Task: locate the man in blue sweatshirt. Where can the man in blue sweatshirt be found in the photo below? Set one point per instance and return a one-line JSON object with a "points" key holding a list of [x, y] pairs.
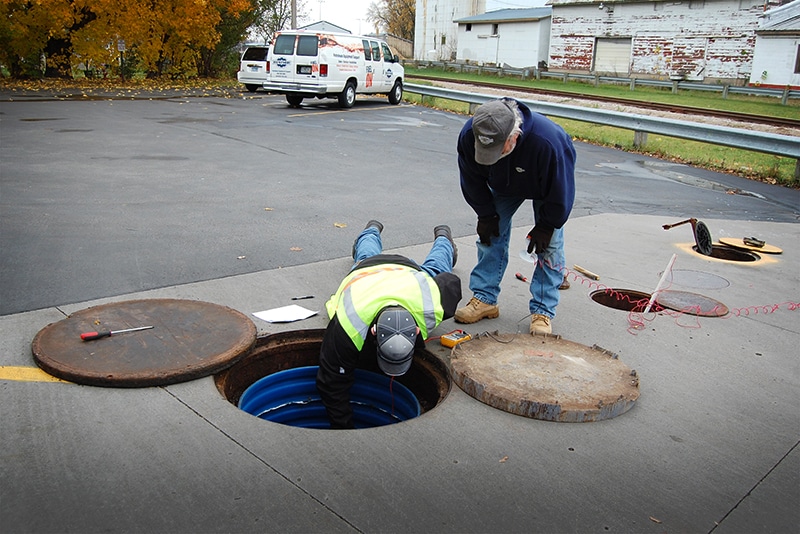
{"points": [[508, 154]]}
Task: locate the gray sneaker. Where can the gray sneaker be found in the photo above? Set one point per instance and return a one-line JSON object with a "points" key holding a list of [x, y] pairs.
{"points": [[373, 222], [444, 230]]}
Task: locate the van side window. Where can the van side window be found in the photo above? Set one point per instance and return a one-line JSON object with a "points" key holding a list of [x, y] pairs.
{"points": [[387, 53], [367, 54], [284, 45], [307, 45], [376, 51]]}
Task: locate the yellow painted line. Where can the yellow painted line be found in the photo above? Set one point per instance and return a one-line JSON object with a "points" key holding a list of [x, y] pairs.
{"points": [[27, 374]]}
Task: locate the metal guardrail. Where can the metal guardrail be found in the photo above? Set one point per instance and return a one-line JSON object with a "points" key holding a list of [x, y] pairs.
{"points": [[674, 85], [767, 143]]}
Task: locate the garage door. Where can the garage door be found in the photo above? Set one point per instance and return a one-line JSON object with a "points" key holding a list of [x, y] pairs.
{"points": [[612, 56]]}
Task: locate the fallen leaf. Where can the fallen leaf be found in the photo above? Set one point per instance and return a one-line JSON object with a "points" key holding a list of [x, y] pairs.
{"points": [[340, 225], [295, 249], [240, 257], [654, 520], [503, 459], [268, 209]]}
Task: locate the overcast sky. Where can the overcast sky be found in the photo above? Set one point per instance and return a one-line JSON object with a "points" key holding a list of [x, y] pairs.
{"points": [[352, 14]]}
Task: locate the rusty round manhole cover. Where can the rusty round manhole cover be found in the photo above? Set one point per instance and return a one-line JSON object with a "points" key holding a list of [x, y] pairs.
{"points": [[189, 339], [691, 303], [544, 377]]}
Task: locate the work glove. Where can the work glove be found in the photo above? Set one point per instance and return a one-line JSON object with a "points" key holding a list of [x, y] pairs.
{"points": [[487, 227], [539, 238]]}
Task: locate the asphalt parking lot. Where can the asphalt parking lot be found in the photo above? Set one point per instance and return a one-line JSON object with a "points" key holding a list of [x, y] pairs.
{"points": [[245, 202], [105, 196]]}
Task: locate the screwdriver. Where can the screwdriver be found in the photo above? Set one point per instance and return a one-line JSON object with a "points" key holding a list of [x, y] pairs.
{"points": [[88, 336]]}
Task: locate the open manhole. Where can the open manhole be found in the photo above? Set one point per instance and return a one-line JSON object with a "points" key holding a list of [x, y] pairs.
{"points": [[283, 364], [623, 299], [722, 252]]}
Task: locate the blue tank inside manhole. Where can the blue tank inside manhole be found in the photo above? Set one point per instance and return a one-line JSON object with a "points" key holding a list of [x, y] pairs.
{"points": [[276, 381], [291, 398]]}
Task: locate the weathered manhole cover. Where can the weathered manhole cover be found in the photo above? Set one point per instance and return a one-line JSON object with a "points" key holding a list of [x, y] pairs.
{"points": [[544, 377], [740, 243], [189, 339], [691, 303]]}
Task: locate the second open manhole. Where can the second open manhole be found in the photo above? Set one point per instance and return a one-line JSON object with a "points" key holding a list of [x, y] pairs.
{"points": [[722, 252], [623, 299], [283, 365]]}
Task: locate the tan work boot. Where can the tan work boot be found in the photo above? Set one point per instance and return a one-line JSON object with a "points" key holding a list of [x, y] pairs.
{"points": [[540, 324], [475, 310]]}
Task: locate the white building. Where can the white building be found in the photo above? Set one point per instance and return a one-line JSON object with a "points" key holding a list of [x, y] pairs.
{"points": [[435, 33], [698, 40], [324, 26], [514, 37], [776, 61]]}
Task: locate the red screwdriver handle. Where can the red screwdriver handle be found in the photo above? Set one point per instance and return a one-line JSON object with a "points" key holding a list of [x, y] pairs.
{"points": [[88, 336]]}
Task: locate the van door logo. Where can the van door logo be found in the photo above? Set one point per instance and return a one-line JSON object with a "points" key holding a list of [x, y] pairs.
{"points": [[281, 62], [388, 73]]}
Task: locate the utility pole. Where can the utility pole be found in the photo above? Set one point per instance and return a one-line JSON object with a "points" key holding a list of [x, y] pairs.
{"points": [[294, 14]]}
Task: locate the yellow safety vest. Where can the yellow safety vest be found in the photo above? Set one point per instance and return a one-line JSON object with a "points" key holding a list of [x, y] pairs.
{"points": [[365, 292]]}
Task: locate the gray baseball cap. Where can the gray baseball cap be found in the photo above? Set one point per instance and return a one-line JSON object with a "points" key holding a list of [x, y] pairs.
{"points": [[396, 333], [492, 123]]}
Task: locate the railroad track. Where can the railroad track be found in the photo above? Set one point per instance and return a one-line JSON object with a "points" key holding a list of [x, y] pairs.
{"points": [[685, 110]]}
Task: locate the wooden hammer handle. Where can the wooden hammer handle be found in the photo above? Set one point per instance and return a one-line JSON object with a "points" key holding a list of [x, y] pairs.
{"points": [[586, 272]]}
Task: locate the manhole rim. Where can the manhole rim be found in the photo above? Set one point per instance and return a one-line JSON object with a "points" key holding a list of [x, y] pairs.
{"points": [[718, 247], [425, 362], [609, 291]]}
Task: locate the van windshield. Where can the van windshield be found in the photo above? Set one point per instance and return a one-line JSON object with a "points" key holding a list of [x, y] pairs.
{"points": [[284, 45]]}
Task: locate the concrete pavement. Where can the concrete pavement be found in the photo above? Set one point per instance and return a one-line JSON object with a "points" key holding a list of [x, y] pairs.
{"points": [[711, 445]]}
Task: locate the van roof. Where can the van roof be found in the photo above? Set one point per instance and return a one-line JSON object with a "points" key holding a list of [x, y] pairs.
{"points": [[323, 32]]}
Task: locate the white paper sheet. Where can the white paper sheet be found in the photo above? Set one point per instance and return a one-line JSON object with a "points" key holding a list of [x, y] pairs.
{"points": [[286, 314]]}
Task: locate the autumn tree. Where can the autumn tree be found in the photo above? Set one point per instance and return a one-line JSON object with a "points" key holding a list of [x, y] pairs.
{"points": [[275, 15], [394, 16], [166, 36], [29, 30], [224, 55]]}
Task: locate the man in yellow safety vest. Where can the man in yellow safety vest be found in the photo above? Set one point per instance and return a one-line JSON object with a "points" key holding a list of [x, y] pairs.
{"points": [[386, 307]]}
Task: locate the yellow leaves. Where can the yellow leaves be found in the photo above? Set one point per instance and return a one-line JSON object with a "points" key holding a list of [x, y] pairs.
{"points": [[158, 31]]}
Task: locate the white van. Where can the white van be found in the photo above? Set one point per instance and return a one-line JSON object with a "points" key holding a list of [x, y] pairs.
{"points": [[306, 64], [253, 67]]}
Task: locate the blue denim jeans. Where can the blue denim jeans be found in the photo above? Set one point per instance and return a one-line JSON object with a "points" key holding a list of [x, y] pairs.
{"points": [[493, 260], [439, 259]]}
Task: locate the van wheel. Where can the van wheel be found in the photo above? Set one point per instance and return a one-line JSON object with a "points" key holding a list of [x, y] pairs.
{"points": [[348, 97], [252, 87], [294, 100], [396, 94]]}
